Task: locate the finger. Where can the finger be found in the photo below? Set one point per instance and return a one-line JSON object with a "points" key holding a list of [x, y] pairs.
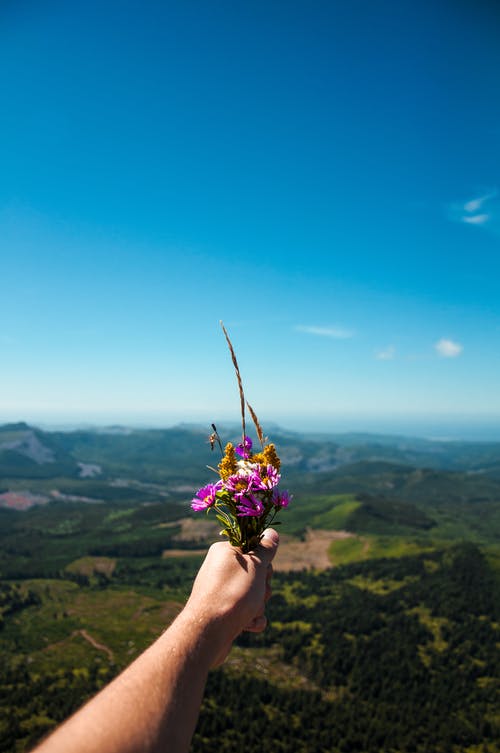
{"points": [[268, 545]]}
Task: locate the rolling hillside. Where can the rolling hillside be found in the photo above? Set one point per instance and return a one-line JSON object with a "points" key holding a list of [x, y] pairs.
{"points": [[384, 618]]}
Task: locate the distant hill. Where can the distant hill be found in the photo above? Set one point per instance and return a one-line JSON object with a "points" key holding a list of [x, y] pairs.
{"points": [[27, 452], [335, 450], [403, 483], [427, 486], [183, 449]]}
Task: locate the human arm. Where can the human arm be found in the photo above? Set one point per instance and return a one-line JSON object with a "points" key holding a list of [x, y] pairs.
{"points": [[153, 706]]}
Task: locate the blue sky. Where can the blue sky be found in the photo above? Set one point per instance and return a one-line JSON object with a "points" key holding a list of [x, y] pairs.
{"points": [[323, 176]]}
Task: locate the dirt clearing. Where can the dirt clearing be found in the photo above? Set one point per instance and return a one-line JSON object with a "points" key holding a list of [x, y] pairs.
{"points": [[310, 553]]}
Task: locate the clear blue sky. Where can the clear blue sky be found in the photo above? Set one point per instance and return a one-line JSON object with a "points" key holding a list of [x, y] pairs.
{"points": [[323, 176]]}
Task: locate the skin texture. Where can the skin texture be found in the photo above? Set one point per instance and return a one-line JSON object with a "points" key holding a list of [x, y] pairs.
{"points": [[153, 706]]}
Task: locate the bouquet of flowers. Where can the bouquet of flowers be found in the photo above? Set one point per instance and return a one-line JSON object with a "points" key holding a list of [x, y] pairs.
{"points": [[246, 497]]}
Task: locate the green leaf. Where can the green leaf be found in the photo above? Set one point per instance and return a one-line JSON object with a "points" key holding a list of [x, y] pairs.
{"points": [[222, 520]]}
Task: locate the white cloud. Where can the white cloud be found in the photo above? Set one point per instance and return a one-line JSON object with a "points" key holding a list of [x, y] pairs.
{"points": [[338, 333], [476, 219], [473, 211], [448, 348], [387, 354], [474, 205]]}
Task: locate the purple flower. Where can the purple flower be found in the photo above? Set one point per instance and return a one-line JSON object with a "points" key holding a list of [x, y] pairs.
{"points": [[244, 448], [270, 479], [205, 498], [249, 506], [281, 499], [238, 483]]}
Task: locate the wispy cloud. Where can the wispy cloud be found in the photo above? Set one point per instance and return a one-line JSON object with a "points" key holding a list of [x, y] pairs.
{"points": [[387, 354], [474, 205], [338, 333], [448, 348], [478, 210], [476, 219]]}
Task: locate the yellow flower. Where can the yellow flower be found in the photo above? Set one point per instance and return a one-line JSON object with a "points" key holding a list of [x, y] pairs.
{"points": [[271, 457], [258, 457], [227, 465]]}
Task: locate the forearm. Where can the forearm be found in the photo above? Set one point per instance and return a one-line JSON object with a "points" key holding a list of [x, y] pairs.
{"points": [[153, 705]]}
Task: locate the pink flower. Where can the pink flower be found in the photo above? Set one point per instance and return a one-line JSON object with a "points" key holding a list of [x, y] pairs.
{"points": [[205, 498], [239, 483], [249, 506], [270, 479]]}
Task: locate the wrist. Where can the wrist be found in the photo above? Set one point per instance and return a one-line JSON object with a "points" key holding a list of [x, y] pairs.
{"points": [[202, 634]]}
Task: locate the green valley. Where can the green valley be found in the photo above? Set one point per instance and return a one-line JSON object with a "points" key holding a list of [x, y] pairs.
{"points": [[384, 627]]}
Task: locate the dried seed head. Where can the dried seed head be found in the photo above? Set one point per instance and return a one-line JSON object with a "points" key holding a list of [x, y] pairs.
{"points": [[258, 427], [238, 377]]}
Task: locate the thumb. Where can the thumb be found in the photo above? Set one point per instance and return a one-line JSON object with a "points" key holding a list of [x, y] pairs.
{"points": [[268, 545]]}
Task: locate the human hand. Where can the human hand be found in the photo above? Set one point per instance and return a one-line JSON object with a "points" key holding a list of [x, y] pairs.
{"points": [[154, 704], [231, 591]]}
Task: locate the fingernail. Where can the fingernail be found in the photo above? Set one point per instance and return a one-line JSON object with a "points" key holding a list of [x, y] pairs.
{"points": [[271, 534]]}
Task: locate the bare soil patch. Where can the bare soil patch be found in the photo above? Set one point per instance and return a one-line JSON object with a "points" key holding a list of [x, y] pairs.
{"points": [[91, 565], [172, 553], [312, 553], [22, 500], [200, 530]]}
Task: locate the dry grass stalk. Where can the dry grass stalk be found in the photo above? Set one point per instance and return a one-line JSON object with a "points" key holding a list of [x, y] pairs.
{"points": [[258, 427], [238, 376]]}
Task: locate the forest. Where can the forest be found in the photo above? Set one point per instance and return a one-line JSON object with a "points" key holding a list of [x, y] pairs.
{"points": [[414, 666], [394, 655]]}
